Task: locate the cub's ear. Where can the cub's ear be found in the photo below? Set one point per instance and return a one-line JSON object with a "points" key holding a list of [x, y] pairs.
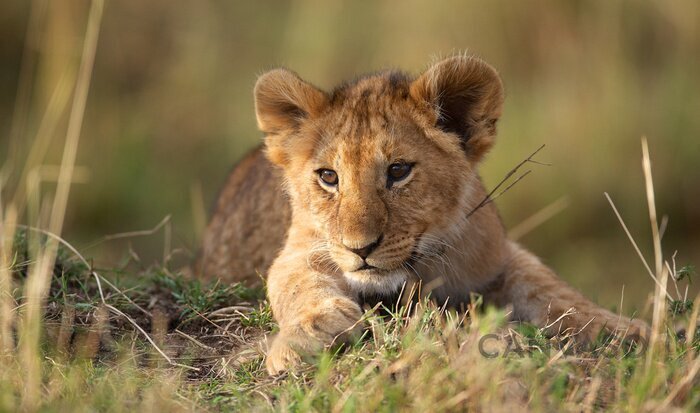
{"points": [[464, 94], [283, 100]]}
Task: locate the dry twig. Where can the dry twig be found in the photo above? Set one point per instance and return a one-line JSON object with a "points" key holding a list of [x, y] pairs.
{"points": [[490, 197]]}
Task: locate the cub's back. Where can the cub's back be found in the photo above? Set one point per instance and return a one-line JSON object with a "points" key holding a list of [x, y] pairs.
{"points": [[249, 223]]}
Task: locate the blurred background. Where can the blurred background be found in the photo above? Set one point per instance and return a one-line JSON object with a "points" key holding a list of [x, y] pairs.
{"points": [[170, 111]]}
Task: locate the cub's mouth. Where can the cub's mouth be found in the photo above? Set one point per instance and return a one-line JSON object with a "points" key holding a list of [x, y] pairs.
{"points": [[373, 280], [368, 268], [370, 279]]}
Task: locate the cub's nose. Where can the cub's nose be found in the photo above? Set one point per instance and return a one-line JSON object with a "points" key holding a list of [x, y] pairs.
{"points": [[366, 250]]}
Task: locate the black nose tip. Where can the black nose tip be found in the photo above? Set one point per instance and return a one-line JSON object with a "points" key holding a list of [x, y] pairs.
{"points": [[366, 250]]}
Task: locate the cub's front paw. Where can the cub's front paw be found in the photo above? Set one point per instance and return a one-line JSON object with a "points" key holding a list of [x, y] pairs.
{"points": [[591, 327], [284, 353], [334, 321]]}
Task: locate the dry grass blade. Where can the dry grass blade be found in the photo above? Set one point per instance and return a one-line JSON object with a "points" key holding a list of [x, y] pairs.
{"points": [[37, 14], [651, 203], [131, 234], [659, 300], [634, 243], [7, 228], [75, 120], [490, 196], [117, 311], [693, 322], [538, 218], [42, 141], [194, 340]]}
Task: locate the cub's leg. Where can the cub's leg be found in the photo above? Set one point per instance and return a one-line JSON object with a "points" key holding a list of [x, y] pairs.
{"points": [[540, 297], [313, 309]]}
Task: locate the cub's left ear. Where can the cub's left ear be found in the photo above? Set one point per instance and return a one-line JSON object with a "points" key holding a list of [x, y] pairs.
{"points": [[464, 94]]}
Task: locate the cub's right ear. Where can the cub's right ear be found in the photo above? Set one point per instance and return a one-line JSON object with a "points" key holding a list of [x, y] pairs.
{"points": [[283, 101]]}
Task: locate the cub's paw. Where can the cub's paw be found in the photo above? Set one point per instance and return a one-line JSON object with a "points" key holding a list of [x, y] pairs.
{"points": [[592, 328], [284, 353], [334, 321]]}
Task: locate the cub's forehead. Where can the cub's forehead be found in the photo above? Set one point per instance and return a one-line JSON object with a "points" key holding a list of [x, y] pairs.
{"points": [[369, 106], [372, 142], [368, 118]]}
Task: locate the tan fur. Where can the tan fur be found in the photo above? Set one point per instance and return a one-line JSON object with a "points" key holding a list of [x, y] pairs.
{"points": [[442, 122]]}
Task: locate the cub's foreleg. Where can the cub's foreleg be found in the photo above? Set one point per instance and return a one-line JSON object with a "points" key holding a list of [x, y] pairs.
{"points": [[313, 309], [540, 297]]}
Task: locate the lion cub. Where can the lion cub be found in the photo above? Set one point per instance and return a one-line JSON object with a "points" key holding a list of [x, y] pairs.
{"points": [[368, 187]]}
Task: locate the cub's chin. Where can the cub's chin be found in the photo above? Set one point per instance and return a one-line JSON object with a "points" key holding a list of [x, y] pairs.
{"points": [[376, 281]]}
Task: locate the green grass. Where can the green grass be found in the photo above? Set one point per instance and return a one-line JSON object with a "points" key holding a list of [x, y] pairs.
{"points": [[429, 360]]}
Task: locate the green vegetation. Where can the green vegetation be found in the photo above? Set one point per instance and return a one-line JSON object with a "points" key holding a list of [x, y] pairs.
{"points": [[428, 359], [170, 110]]}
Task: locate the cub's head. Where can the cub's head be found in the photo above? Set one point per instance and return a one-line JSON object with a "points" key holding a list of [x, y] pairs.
{"points": [[381, 169]]}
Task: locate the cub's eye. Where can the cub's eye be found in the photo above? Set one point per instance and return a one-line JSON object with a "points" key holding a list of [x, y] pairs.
{"points": [[398, 171], [328, 177]]}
